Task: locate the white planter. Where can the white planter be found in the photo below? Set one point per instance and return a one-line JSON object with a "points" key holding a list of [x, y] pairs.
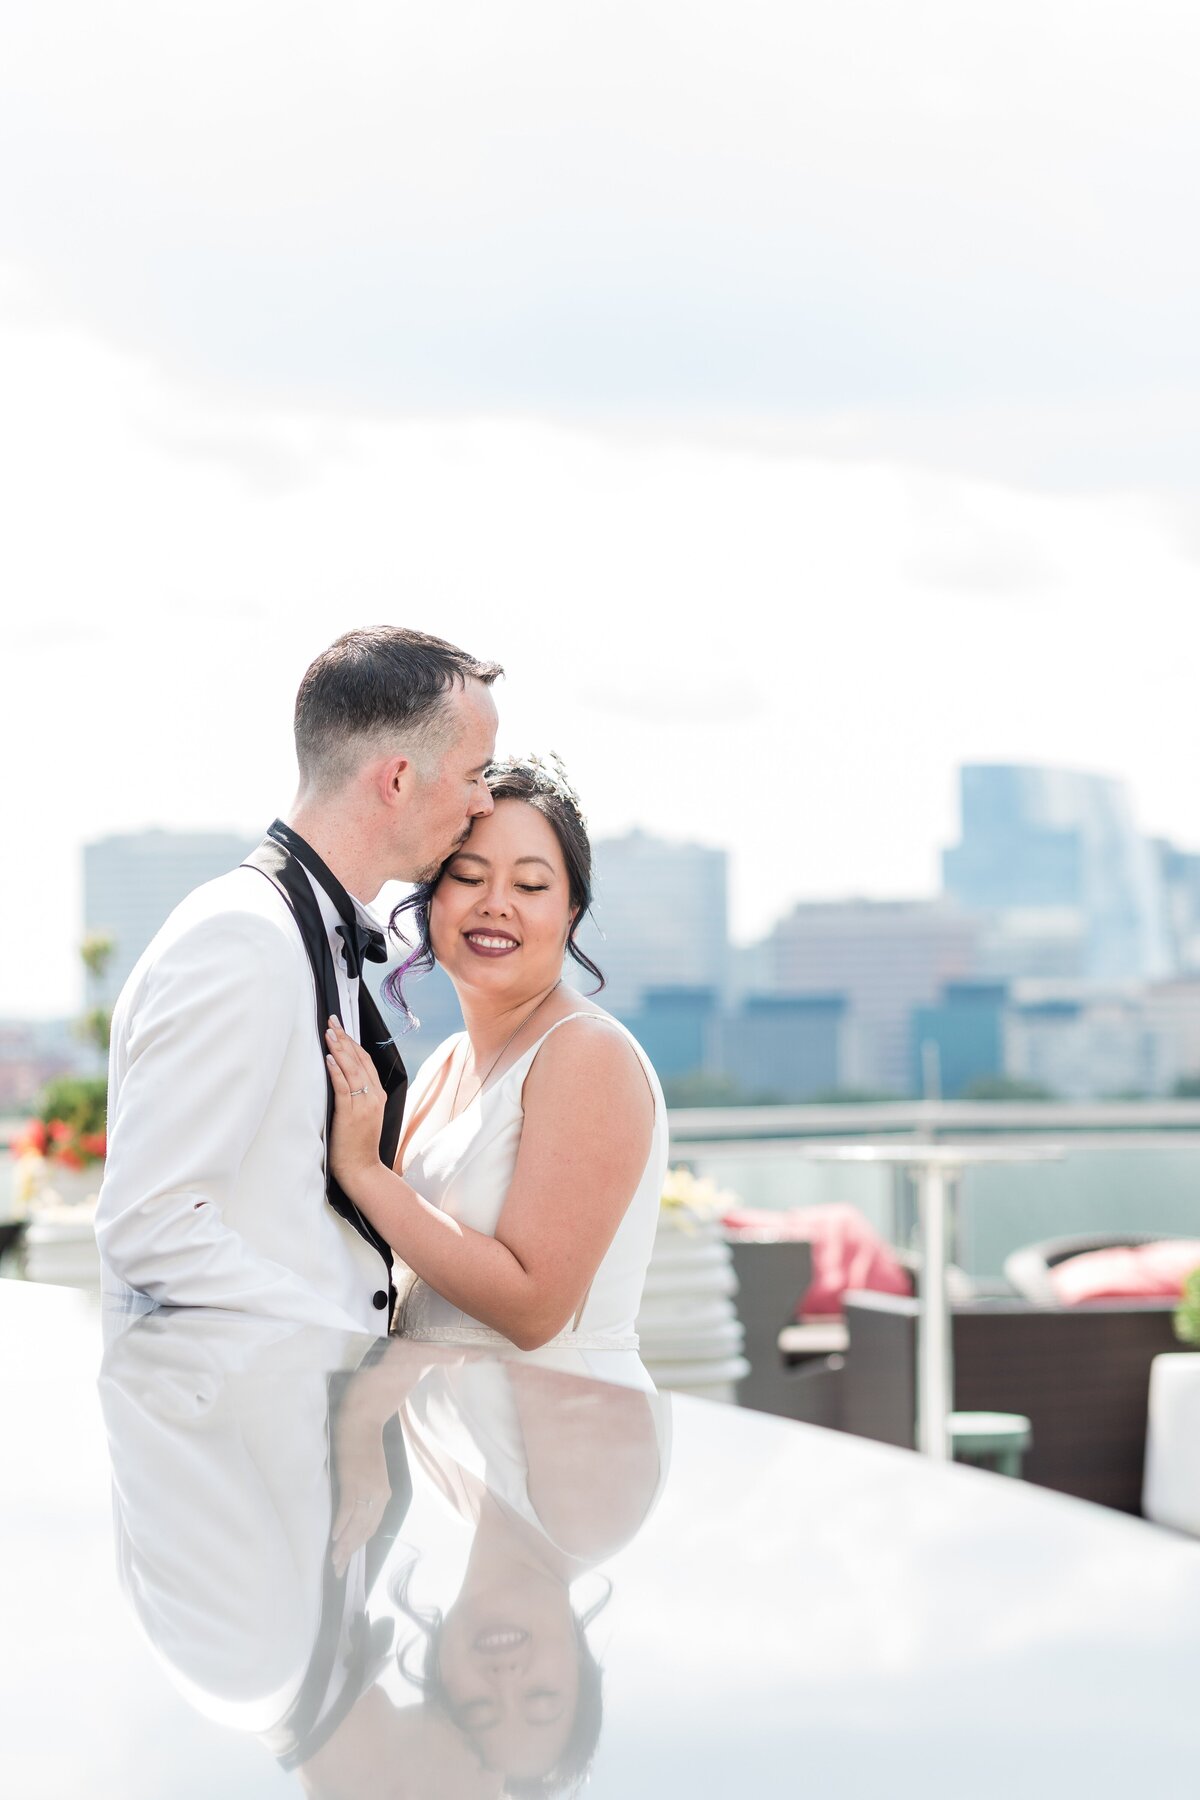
{"points": [[60, 1246], [70, 1187], [691, 1336], [60, 1238], [1171, 1489]]}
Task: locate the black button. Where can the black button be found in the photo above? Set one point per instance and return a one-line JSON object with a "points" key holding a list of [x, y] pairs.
{"points": [[380, 1301]]}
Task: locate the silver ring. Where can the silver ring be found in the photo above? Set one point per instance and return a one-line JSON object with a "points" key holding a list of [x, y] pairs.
{"points": [[355, 1092], [364, 1503]]}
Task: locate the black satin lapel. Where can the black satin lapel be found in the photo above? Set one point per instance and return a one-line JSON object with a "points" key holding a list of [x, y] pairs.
{"points": [[273, 860], [377, 1040], [277, 863], [396, 1509], [305, 1722]]}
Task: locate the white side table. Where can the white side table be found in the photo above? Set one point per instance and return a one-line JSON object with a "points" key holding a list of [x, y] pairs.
{"points": [[934, 1167]]}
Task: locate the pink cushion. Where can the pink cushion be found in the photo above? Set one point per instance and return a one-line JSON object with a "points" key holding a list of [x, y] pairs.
{"points": [[847, 1253], [1135, 1271]]}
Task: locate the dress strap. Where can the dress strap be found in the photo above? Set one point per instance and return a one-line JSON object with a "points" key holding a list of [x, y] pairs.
{"points": [[599, 1019]]}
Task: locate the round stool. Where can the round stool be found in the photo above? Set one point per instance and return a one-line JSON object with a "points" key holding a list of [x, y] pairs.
{"points": [[991, 1440]]}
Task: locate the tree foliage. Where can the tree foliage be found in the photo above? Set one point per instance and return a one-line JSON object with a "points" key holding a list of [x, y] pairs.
{"points": [[1006, 1087]]}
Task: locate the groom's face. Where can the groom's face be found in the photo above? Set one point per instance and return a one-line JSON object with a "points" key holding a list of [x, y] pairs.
{"points": [[447, 802]]}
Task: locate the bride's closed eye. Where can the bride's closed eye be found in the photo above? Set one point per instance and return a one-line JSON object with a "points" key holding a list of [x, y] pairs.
{"points": [[524, 887]]}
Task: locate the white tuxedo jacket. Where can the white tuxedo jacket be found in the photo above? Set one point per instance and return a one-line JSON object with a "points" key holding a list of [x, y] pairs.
{"points": [[214, 1186]]}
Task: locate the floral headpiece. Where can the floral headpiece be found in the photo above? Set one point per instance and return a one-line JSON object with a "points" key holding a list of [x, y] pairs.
{"points": [[548, 773]]}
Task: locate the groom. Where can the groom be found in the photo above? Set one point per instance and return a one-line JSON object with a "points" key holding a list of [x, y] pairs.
{"points": [[217, 1189]]}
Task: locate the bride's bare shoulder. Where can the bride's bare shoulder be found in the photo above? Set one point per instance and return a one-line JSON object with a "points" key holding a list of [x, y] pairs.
{"points": [[589, 1046]]}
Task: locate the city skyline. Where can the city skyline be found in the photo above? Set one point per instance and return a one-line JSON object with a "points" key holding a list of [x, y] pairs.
{"points": [[1061, 957], [108, 855]]}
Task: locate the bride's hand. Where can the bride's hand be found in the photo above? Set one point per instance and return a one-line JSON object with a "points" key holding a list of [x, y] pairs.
{"points": [[363, 1481], [358, 1102]]}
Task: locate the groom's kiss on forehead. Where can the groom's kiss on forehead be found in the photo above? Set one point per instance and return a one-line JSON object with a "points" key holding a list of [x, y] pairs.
{"points": [[392, 760]]}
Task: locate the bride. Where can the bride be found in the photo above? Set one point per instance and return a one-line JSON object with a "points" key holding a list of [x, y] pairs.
{"points": [[524, 1196]]}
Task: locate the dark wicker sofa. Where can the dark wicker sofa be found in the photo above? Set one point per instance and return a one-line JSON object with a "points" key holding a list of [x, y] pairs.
{"points": [[1080, 1374]]}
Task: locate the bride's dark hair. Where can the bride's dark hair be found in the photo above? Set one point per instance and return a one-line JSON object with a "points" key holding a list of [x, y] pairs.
{"points": [[570, 1773], [544, 786]]}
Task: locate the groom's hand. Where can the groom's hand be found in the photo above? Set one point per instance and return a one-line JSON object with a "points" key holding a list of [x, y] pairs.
{"points": [[358, 1102]]}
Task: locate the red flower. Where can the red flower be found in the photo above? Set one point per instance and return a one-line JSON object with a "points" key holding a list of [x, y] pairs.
{"points": [[60, 1132], [95, 1143], [31, 1140], [70, 1159]]}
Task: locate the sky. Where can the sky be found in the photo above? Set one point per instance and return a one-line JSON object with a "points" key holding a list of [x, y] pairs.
{"points": [[799, 402]]}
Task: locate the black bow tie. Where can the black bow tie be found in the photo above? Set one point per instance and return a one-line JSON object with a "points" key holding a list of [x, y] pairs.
{"points": [[363, 944]]}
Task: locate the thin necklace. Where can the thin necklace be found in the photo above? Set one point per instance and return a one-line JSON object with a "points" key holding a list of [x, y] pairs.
{"points": [[500, 1052]]}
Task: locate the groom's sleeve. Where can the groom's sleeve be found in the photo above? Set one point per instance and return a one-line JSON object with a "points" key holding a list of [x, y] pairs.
{"points": [[193, 1074]]}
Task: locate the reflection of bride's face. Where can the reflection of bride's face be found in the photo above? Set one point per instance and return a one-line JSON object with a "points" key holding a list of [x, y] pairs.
{"points": [[509, 1663], [499, 916]]}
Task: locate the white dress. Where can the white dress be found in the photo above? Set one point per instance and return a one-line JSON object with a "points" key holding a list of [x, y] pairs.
{"points": [[465, 1167]]}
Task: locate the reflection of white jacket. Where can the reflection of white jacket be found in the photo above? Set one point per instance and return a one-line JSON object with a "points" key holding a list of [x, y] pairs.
{"points": [[218, 1429], [221, 1503], [214, 1187]]}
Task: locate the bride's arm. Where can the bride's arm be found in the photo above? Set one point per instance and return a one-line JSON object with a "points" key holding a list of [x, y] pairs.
{"points": [[589, 1117]]}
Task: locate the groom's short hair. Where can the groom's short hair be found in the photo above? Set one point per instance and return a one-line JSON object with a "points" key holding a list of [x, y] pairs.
{"points": [[378, 685]]}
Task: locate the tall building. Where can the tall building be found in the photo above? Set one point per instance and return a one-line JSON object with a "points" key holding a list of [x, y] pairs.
{"points": [[1180, 872], [960, 1040], [131, 884], [886, 957], [660, 918], [786, 1046], [1054, 843], [1172, 1012], [677, 1028], [1088, 1046], [35, 1051], [1034, 943]]}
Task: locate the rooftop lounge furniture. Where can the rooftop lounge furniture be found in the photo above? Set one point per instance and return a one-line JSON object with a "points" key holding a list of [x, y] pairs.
{"points": [[1079, 1374], [794, 1369], [1028, 1269]]}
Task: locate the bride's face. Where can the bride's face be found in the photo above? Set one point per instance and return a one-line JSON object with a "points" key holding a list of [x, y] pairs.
{"points": [[499, 917], [508, 1657]]}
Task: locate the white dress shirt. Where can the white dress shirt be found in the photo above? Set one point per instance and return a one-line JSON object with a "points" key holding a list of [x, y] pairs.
{"points": [[347, 987]]}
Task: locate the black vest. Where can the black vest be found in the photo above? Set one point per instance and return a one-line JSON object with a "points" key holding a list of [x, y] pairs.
{"points": [[274, 860]]}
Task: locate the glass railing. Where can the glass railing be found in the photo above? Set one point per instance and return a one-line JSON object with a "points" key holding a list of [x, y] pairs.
{"points": [[1126, 1166]]}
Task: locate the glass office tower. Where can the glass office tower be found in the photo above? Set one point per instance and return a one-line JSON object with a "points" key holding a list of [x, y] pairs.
{"points": [[1058, 842]]}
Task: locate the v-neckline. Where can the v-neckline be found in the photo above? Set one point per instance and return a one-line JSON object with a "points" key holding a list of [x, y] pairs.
{"points": [[443, 1075]]}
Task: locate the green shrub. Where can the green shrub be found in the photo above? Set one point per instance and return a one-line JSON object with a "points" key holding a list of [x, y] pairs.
{"points": [[80, 1101], [1187, 1315]]}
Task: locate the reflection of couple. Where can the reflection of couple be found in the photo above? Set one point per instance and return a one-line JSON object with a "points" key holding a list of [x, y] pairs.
{"points": [[257, 1159], [262, 1484]]}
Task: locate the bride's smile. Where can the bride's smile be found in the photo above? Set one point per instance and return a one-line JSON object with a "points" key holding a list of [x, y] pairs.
{"points": [[504, 898]]}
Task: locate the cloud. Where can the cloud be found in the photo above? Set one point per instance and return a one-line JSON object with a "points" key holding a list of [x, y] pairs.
{"points": [[913, 221], [657, 697], [970, 545], [725, 644], [265, 465]]}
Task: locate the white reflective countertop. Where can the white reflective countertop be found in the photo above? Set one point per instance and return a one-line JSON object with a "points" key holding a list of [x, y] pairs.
{"points": [[537, 1576]]}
